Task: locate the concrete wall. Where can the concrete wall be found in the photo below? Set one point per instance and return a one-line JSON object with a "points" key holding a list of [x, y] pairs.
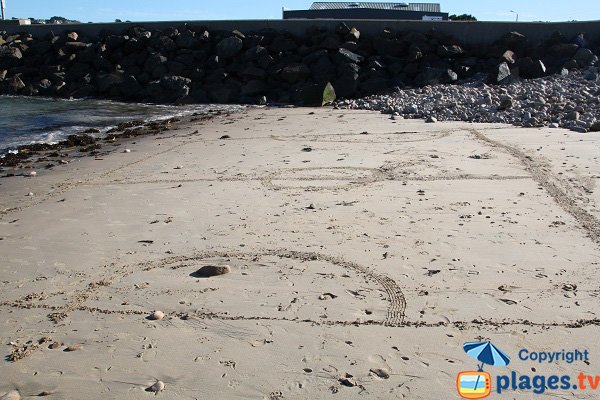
{"points": [[467, 32]]}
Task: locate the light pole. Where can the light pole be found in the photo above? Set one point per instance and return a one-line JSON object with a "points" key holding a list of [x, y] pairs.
{"points": [[515, 13], [2, 1]]}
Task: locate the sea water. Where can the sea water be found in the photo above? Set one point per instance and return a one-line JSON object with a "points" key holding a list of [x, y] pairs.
{"points": [[26, 120]]}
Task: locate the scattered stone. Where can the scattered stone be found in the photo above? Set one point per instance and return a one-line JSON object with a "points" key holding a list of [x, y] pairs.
{"points": [[348, 380], [568, 101], [30, 194], [383, 374], [33, 173], [127, 151], [74, 347], [431, 120], [156, 316], [569, 287], [159, 386], [54, 345], [327, 296], [212, 270]]}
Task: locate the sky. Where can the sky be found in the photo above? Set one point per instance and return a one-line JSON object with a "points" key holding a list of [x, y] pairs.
{"points": [[157, 10]]}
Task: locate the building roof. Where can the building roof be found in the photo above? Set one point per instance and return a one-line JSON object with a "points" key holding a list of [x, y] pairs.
{"points": [[341, 5]]}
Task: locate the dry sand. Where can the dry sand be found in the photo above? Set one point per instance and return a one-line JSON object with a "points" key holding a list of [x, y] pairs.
{"points": [[357, 244]]}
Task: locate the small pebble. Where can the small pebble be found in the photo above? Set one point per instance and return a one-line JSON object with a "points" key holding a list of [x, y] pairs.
{"points": [[159, 386], [127, 151], [156, 315], [383, 374], [30, 194], [54, 345], [33, 173], [74, 347], [348, 380], [212, 270]]}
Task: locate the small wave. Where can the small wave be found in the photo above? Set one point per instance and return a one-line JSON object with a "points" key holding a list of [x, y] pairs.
{"points": [[27, 120]]}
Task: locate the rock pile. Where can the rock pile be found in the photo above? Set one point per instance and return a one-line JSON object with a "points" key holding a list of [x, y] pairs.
{"points": [[190, 64], [569, 100]]}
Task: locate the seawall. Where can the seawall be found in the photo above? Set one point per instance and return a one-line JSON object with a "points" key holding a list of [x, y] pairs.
{"points": [[291, 61]]}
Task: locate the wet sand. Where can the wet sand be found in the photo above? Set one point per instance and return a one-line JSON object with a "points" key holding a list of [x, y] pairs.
{"points": [[358, 245]]}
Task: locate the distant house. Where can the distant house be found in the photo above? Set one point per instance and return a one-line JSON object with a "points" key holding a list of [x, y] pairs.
{"points": [[368, 10]]}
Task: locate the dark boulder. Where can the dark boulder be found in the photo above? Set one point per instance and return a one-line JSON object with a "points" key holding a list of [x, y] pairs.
{"points": [[346, 84], [176, 87], [223, 92], [113, 42], [104, 82], [585, 58], [351, 46], [165, 44], [315, 56], [255, 87], [530, 68], [331, 42], [295, 72], [187, 41], [131, 88], [134, 45], [452, 51], [323, 70], [15, 84], [563, 50], [346, 56], [75, 47], [229, 47], [514, 41], [374, 85], [10, 53], [282, 44], [82, 91], [315, 95], [389, 47], [251, 71]]}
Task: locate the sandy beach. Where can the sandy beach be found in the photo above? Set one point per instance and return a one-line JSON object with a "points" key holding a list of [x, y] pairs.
{"points": [[364, 252]]}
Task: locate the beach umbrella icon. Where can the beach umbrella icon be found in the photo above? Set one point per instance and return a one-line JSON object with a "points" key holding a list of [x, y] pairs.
{"points": [[486, 353]]}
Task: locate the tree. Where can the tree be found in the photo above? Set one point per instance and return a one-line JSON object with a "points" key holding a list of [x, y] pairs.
{"points": [[61, 19], [462, 17]]}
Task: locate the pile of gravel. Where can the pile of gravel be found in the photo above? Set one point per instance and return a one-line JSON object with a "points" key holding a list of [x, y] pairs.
{"points": [[569, 100]]}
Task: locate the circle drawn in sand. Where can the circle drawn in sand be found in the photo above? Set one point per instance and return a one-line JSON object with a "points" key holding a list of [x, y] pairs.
{"points": [[322, 178], [268, 285], [373, 138]]}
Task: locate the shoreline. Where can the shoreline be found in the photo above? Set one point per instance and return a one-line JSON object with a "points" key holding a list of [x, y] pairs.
{"points": [[113, 134], [363, 252]]}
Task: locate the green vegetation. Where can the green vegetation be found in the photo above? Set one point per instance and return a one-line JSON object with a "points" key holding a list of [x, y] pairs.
{"points": [[462, 17]]}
